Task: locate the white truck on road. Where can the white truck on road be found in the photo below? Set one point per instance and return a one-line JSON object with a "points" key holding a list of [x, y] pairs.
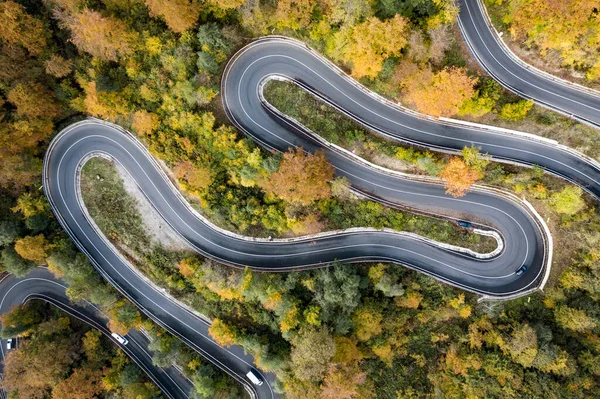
{"points": [[252, 376]]}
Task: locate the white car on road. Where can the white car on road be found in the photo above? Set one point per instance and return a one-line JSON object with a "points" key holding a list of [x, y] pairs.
{"points": [[122, 340]]}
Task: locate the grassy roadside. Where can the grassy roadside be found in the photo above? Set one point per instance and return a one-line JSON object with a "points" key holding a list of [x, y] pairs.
{"points": [[341, 130]]}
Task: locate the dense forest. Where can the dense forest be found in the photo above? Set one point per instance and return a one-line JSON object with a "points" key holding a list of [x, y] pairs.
{"points": [[348, 331], [563, 33], [63, 358]]}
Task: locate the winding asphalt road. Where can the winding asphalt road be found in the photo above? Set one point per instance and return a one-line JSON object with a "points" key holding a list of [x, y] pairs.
{"points": [[40, 284], [516, 76], [526, 240], [287, 59]]}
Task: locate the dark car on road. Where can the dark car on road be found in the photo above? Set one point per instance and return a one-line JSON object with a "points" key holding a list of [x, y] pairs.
{"points": [[521, 270], [462, 223]]}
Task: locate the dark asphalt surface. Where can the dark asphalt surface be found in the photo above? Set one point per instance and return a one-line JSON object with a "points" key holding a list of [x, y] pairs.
{"points": [[511, 74], [524, 238], [292, 60], [40, 284], [61, 170]]}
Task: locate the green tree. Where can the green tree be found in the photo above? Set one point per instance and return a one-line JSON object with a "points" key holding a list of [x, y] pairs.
{"points": [[568, 201], [475, 159], [312, 349], [483, 102], [516, 111], [130, 374], [385, 281], [574, 319], [204, 383], [211, 40], [207, 63], [13, 263], [9, 230], [21, 319], [337, 290]]}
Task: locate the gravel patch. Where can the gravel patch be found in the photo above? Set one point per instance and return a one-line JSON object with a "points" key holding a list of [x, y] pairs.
{"points": [[156, 228]]}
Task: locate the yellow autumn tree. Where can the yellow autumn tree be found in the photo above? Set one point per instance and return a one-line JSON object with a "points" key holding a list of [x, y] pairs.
{"points": [[567, 28], [458, 177], [309, 224], [227, 4], [18, 27], [222, 333], [32, 248], [346, 350], [180, 15], [103, 104], [187, 267], [294, 14], [58, 66], [442, 93], [144, 122], [22, 134], [30, 205], [371, 42], [367, 321], [107, 38], [33, 100], [343, 382]]}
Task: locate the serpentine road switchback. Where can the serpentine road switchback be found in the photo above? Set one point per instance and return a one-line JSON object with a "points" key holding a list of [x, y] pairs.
{"points": [[525, 240], [495, 57], [41, 285]]}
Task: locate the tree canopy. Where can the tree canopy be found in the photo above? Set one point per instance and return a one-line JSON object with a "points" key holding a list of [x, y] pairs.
{"points": [[458, 177], [442, 93], [301, 177]]}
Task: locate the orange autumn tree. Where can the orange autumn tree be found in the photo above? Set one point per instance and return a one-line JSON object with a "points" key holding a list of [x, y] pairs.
{"points": [[84, 383], [195, 177], [107, 38], [144, 122], [301, 178], [345, 382], [458, 177], [441, 93]]}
